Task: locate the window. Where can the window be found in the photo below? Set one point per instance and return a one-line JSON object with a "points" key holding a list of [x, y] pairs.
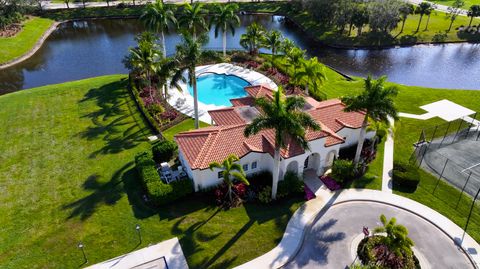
{"points": [[254, 165], [245, 167], [220, 174]]}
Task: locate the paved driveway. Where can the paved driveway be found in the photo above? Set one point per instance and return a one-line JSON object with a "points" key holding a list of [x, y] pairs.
{"points": [[327, 245]]}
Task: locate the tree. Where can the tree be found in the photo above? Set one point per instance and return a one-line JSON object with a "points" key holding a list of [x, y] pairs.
{"points": [[287, 46], [67, 2], [313, 73], [83, 2], [273, 41], [189, 54], [164, 70], [231, 171], [397, 239], [284, 116], [384, 16], [376, 101], [225, 18], [253, 39], [422, 9], [406, 10], [429, 14], [360, 18], [158, 17], [144, 58], [473, 12], [193, 18], [295, 58], [454, 11]]}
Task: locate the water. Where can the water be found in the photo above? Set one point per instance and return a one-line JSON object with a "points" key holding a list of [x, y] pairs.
{"points": [[218, 89], [92, 48]]}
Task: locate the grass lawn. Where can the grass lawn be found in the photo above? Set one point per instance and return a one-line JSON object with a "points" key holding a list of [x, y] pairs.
{"points": [[67, 175], [468, 3], [20, 44], [186, 125], [437, 28]]}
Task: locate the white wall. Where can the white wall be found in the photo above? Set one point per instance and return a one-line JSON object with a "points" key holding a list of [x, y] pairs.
{"points": [[351, 136]]}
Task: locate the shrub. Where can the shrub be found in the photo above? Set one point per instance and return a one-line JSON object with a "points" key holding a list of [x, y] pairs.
{"points": [[290, 185], [260, 179], [155, 109], [164, 151], [405, 175], [330, 183], [265, 195], [159, 192], [342, 170]]}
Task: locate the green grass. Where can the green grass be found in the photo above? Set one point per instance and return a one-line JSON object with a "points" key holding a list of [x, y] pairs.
{"points": [[468, 3], [24, 41], [183, 126], [67, 175], [437, 26]]}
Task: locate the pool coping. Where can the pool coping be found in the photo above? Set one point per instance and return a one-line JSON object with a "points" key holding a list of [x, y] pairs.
{"points": [[182, 100]]}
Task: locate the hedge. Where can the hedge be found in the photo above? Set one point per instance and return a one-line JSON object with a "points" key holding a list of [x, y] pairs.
{"points": [[290, 185], [342, 170], [163, 151], [405, 175], [159, 192]]}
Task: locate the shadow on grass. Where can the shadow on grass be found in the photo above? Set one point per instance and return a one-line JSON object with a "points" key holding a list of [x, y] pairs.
{"points": [[114, 122], [107, 193]]}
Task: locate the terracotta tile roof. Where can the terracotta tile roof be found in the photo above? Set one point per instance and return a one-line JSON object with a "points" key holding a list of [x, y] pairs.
{"points": [[258, 91], [226, 116], [215, 143], [244, 101]]}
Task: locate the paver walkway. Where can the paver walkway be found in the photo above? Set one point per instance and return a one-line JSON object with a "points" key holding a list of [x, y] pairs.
{"points": [[388, 161]]}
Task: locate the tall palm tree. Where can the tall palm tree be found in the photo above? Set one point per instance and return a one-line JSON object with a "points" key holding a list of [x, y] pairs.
{"points": [[405, 10], [453, 11], [429, 14], [225, 18], [253, 38], [285, 117], [193, 18], [473, 12], [164, 70], [376, 101], [422, 9], [189, 54], [158, 17], [313, 73], [397, 238], [231, 171], [273, 41], [295, 58]]}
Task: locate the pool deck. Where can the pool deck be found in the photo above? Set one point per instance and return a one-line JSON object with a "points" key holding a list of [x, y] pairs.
{"points": [[183, 100]]}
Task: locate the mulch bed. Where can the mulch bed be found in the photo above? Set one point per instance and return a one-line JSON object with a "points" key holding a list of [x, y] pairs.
{"points": [[11, 30]]}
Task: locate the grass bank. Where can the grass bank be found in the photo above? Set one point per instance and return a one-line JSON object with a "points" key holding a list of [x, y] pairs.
{"points": [[67, 175], [25, 40], [435, 33]]}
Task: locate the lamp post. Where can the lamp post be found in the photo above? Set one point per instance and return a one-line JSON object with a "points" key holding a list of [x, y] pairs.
{"points": [[137, 228], [81, 246]]}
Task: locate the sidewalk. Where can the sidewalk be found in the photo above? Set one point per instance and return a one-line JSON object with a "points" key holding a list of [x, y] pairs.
{"points": [[388, 161], [306, 215]]}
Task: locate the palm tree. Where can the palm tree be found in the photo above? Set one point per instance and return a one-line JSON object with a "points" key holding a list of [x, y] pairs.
{"points": [[422, 9], [287, 46], [285, 117], [164, 70], [429, 13], [397, 239], [454, 11], [406, 10], [193, 18], [473, 12], [376, 101], [189, 54], [295, 58], [253, 38], [313, 72], [158, 17], [225, 19], [273, 41], [360, 18], [231, 171]]}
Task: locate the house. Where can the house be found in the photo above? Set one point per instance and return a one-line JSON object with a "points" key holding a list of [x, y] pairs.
{"points": [[198, 148]]}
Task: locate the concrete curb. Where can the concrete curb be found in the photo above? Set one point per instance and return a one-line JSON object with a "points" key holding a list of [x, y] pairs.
{"points": [[35, 48], [305, 216]]}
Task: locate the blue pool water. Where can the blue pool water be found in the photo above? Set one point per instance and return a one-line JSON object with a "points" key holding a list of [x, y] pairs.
{"points": [[215, 89]]}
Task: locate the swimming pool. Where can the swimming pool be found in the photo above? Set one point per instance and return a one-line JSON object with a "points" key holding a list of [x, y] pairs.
{"points": [[218, 89]]}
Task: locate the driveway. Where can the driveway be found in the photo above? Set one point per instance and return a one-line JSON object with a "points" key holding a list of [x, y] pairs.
{"points": [[327, 244]]}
